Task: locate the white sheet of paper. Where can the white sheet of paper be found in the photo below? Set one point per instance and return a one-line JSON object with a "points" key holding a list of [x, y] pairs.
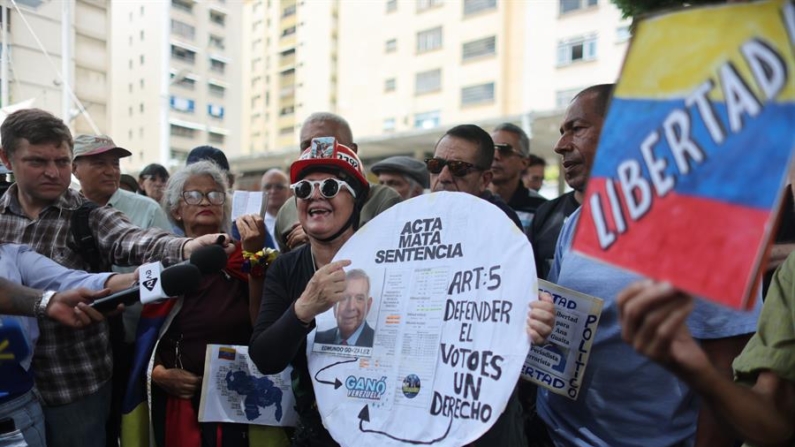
{"points": [[246, 202], [560, 364]]}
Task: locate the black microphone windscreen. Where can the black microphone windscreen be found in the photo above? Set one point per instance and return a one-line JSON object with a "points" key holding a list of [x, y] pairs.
{"points": [[180, 279], [209, 259]]}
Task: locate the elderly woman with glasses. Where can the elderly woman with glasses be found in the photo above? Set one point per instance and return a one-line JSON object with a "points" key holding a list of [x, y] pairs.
{"points": [[220, 311], [330, 188]]}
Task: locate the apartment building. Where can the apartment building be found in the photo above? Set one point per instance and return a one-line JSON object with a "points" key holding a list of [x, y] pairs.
{"points": [[290, 53], [176, 78], [403, 71], [38, 34]]}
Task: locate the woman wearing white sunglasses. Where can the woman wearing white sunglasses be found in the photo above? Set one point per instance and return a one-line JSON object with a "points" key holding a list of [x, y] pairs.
{"points": [[330, 189]]}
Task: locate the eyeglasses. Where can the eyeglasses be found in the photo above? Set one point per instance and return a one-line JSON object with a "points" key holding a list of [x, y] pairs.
{"points": [[196, 197], [456, 167], [274, 186], [506, 150], [329, 188]]}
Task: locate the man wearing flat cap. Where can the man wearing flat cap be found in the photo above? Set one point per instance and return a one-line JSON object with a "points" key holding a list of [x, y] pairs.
{"points": [[406, 175]]}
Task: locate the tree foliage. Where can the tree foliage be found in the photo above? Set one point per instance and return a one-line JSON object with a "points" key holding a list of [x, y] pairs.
{"points": [[633, 8]]}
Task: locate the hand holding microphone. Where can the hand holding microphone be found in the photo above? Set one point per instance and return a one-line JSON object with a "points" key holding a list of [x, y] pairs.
{"points": [[156, 284]]}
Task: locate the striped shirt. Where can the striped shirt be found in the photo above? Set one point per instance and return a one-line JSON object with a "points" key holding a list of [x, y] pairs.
{"points": [[73, 363]]}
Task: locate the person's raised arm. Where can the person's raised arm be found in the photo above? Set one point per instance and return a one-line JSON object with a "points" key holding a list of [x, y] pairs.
{"points": [[653, 317]]}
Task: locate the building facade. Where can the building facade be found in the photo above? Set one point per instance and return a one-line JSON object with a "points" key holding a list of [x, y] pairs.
{"points": [[38, 35], [403, 71], [175, 78]]}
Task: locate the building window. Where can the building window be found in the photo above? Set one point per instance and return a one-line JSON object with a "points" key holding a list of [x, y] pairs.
{"points": [[390, 46], [215, 111], [289, 31], [141, 107], [428, 81], [216, 138], [255, 102], [427, 120], [142, 11], [129, 111], [180, 131], [183, 54], [477, 48], [391, 6], [422, 5], [183, 5], [389, 85], [429, 39], [216, 90], [131, 64], [183, 29], [216, 42], [577, 49], [142, 59], [184, 105], [130, 87], [131, 40], [474, 6], [574, 5], [477, 94], [289, 110], [563, 97], [217, 17], [141, 81], [286, 130], [142, 35], [217, 66], [389, 125], [185, 82], [289, 11]]}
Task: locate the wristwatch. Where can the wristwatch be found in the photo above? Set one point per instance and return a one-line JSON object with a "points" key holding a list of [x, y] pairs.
{"points": [[42, 302]]}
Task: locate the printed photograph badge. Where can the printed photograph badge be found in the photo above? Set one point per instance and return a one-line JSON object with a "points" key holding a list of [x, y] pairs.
{"points": [[323, 147]]}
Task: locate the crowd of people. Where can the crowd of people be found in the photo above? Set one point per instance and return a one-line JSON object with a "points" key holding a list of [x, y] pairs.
{"points": [[660, 371]]}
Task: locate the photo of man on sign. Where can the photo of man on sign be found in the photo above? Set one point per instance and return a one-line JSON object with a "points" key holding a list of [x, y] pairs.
{"points": [[351, 314]]}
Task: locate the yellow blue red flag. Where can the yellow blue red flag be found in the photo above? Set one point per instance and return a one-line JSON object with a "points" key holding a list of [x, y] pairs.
{"points": [[695, 148]]}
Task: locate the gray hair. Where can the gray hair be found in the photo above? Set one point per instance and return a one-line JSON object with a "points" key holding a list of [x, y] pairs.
{"points": [[524, 140], [413, 184], [358, 274], [176, 186]]}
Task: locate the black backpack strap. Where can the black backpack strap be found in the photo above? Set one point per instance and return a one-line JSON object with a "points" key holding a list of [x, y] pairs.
{"points": [[81, 230]]}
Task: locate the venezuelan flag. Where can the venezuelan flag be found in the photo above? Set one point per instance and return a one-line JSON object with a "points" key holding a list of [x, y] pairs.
{"points": [[694, 152]]}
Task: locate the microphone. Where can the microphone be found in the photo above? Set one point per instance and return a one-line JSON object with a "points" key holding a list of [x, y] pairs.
{"points": [[174, 281], [209, 259]]}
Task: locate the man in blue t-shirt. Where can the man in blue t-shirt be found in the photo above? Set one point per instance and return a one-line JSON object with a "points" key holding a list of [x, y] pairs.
{"points": [[19, 309], [626, 399]]}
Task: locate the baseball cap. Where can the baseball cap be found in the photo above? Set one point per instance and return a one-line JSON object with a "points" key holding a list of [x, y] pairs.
{"points": [[404, 165], [209, 153], [87, 145]]}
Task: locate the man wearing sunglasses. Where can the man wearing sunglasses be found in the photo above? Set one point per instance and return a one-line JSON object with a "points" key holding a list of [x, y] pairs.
{"points": [[462, 162], [289, 233], [511, 156]]}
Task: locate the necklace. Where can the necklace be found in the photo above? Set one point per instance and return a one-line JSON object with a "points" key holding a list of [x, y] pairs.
{"points": [[314, 263]]}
